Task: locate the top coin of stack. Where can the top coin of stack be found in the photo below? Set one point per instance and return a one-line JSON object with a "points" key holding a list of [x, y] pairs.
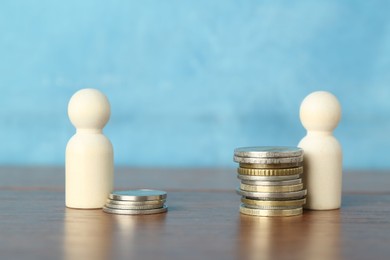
{"points": [[271, 183]]}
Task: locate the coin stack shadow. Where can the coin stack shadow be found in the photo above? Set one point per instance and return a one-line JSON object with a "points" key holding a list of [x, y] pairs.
{"points": [[271, 183], [136, 202]]}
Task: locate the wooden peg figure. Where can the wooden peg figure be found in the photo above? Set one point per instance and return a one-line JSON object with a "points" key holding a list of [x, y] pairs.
{"points": [[89, 164], [320, 113]]}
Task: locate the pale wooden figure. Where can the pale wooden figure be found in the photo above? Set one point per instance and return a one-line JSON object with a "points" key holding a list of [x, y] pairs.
{"points": [[89, 162], [320, 113]]}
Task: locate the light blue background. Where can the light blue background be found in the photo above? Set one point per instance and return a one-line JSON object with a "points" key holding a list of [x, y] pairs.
{"points": [[189, 81]]}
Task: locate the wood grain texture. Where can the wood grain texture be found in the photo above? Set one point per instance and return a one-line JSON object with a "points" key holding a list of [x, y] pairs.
{"points": [[203, 221]]}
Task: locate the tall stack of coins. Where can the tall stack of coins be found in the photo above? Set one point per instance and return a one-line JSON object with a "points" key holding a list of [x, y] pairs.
{"points": [[271, 183], [136, 202]]}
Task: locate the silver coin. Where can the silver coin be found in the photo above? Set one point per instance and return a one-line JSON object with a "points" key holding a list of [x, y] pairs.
{"points": [[272, 183], [268, 151], [137, 207], [267, 178], [135, 203], [269, 207], [138, 195], [253, 160], [269, 188], [273, 203], [135, 211], [272, 195], [270, 212]]}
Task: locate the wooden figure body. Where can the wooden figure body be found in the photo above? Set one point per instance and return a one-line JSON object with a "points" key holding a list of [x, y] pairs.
{"points": [[320, 113], [89, 164]]}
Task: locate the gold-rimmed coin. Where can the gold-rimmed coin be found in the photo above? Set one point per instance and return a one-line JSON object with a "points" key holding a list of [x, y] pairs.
{"points": [[273, 203], [270, 166], [270, 172], [271, 212], [280, 188]]}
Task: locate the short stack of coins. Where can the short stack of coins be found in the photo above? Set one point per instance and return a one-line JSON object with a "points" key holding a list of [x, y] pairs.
{"points": [[136, 202], [271, 183]]}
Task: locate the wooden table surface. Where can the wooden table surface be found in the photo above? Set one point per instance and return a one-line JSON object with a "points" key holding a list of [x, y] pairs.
{"points": [[203, 221]]}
